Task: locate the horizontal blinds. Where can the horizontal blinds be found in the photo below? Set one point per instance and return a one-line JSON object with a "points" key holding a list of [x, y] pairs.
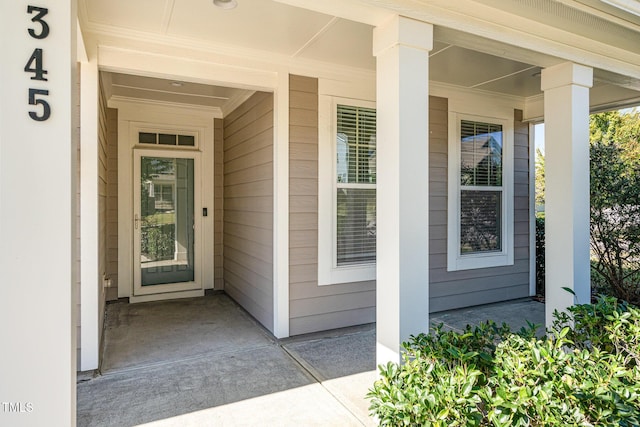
{"points": [[480, 154], [355, 185], [356, 225], [480, 221], [356, 144]]}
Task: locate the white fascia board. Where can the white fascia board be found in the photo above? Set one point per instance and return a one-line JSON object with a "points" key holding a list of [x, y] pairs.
{"points": [[121, 102], [602, 98], [534, 109], [475, 18], [117, 59], [349, 87], [477, 101], [205, 62]]}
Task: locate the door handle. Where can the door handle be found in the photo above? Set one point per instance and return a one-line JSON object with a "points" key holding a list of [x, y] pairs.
{"points": [[135, 221]]}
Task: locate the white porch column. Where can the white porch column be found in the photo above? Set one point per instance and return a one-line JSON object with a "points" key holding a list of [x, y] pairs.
{"points": [[38, 357], [401, 47], [90, 277], [566, 116], [281, 208]]}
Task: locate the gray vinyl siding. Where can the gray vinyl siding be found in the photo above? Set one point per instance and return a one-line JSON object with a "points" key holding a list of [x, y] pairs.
{"points": [[449, 290], [103, 138], [112, 203], [218, 188], [103, 142], [312, 307], [102, 170], [248, 206]]}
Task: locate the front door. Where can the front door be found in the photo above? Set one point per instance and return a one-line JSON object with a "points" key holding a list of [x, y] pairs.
{"points": [[166, 227]]}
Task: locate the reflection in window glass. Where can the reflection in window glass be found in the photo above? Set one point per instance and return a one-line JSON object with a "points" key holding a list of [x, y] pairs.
{"points": [[480, 225], [481, 191], [481, 154]]}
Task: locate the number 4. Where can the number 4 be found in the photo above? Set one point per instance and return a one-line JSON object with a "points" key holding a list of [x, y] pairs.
{"points": [[34, 65]]}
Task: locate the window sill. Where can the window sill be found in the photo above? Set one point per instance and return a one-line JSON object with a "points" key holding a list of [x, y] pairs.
{"points": [[471, 262], [341, 275]]}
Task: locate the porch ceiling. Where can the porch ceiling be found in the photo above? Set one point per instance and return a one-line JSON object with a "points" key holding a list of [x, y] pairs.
{"points": [[293, 33], [172, 91]]}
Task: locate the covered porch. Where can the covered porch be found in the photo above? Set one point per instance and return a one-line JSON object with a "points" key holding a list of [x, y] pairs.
{"points": [[206, 361], [488, 62], [305, 59]]}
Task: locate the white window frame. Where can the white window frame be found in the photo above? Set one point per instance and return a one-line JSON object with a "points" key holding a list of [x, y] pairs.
{"points": [[329, 273], [456, 260]]}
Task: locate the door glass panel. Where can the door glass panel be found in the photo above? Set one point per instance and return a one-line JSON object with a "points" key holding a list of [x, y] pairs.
{"points": [[166, 220]]}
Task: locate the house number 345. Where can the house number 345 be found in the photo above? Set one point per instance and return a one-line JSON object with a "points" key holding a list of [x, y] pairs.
{"points": [[35, 66]]}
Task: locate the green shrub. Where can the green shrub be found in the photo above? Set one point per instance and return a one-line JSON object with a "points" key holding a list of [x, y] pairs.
{"points": [[615, 203], [610, 325], [587, 375]]}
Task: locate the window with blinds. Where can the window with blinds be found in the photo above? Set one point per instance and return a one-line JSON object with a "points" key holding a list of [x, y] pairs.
{"points": [[355, 185], [481, 187]]}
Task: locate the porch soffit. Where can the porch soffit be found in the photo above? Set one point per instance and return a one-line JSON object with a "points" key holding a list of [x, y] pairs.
{"points": [[471, 48], [602, 37]]}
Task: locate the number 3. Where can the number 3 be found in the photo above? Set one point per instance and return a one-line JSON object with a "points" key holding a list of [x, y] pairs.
{"points": [[46, 109], [44, 27]]}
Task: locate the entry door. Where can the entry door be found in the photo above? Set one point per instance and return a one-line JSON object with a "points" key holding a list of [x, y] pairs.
{"points": [[166, 227]]}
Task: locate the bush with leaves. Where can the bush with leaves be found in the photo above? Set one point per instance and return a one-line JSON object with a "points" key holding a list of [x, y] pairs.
{"points": [[615, 203], [587, 375]]}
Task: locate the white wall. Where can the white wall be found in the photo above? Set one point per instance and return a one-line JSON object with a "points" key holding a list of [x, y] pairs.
{"points": [[38, 360]]}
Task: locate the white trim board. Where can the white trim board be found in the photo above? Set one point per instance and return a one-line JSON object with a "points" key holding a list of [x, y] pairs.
{"points": [[455, 260], [281, 207], [130, 118], [328, 272]]}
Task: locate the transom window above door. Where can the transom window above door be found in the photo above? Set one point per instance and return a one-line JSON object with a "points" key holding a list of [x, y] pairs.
{"points": [[167, 139]]}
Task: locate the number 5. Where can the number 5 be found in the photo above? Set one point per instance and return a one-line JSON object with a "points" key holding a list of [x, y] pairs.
{"points": [[46, 109]]}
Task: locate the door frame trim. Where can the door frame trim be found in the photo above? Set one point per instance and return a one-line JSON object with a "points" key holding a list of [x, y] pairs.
{"points": [[137, 290]]}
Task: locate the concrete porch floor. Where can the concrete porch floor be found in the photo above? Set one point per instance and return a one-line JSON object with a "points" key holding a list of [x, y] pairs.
{"points": [[206, 362]]}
